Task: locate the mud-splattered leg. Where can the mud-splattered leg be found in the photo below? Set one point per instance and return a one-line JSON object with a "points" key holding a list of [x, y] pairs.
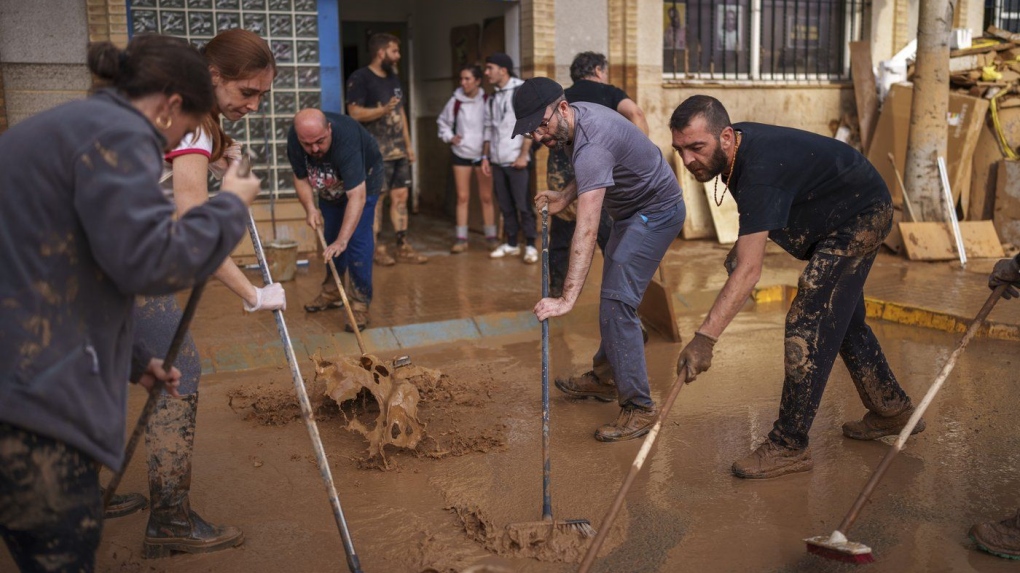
{"points": [[828, 291], [51, 511], [875, 381]]}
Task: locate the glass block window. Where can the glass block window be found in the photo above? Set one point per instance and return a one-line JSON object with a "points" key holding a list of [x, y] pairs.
{"points": [[759, 39], [292, 29]]}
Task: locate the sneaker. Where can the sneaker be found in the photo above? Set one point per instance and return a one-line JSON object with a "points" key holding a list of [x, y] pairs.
{"points": [[360, 319], [587, 385], [772, 460], [874, 426], [504, 250], [382, 257], [1000, 538], [407, 255], [530, 255], [460, 246], [492, 243], [327, 299], [633, 422]]}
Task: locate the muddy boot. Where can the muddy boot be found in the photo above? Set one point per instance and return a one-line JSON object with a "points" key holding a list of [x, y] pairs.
{"points": [[360, 312], [173, 526], [124, 504], [874, 426], [587, 385], [633, 422], [407, 255], [772, 460], [329, 297], [1000, 538], [382, 257]]}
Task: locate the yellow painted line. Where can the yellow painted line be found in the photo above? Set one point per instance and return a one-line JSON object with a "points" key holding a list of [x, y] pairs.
{"points": [[902, 314]]}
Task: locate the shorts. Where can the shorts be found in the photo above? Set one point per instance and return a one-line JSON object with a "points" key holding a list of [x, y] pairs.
{"points": [[459, 161], [396, 174]]}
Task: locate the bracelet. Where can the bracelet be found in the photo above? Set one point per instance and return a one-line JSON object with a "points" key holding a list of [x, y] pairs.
{"points": [[484, 158]]}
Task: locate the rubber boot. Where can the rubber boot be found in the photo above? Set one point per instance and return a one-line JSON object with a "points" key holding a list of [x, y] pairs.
{"points": [[173, 526], [124, 504]]}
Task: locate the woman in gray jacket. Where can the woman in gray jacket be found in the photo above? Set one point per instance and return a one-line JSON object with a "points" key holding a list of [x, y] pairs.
{"points": [[84, 228]]}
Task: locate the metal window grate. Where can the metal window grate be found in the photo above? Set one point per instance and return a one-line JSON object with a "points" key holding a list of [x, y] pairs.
{"points": [[1003, 14], [292, 29], [759, 39]]}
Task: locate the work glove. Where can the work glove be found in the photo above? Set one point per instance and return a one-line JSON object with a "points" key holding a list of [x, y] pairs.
{"points": [[731, 261], [1006, 272], [696, 357], [269, 297]]}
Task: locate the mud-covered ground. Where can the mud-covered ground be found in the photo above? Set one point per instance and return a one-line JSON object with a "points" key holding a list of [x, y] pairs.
{"points": [[443, 506]]}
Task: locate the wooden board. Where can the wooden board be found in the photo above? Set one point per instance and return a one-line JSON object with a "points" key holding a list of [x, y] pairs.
{"points": [[894, 240], [865, 92], [1007, 201], [698, 223], [656, 309], [934, 241], [724, 216]]}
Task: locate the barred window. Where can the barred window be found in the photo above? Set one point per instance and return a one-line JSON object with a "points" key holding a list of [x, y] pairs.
{"points": [[1003, 14], [759, 39]]}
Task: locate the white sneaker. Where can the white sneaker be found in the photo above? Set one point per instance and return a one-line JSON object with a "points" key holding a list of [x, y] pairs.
{"points": [[530, 255], [504, 250]]}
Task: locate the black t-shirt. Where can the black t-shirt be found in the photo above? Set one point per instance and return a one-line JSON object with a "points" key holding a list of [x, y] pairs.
{"points": [[368, 90], [800, 186], [353, 158], [587, 91]]}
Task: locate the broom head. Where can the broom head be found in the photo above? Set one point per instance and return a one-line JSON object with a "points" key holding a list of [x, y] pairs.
{"points": [[838, 548]]}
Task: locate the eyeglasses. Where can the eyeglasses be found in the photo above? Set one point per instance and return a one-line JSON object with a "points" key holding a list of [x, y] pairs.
{"points": [[542, 126]]}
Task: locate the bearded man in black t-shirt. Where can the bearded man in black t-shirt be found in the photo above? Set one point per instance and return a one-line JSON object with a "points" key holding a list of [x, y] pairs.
{"points": [[823, 202]]}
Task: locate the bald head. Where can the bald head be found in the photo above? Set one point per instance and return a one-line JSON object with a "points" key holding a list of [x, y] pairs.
{"points": [[313, 131]]}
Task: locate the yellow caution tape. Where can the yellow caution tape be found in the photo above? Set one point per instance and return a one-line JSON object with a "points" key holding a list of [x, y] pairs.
{"points": [[1000, 134]]}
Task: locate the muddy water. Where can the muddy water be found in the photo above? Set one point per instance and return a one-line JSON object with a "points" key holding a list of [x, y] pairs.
{"points": [[685, 512]]}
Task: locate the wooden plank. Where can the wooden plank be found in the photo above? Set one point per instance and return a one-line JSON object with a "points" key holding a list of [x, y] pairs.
{"points": [[724, 216], [864, 91], [934, 241], [698, 224], [982, 49], [1007, 201]]}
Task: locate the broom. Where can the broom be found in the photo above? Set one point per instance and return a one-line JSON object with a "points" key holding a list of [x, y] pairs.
{"points": [[581, 527], [836, 546]]}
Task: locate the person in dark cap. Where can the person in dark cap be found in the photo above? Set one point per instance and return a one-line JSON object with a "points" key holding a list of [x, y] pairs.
{"points": [[505, 156], [616, 167]]}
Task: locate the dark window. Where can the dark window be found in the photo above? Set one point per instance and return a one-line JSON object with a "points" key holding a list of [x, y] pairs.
{"points": [[1004, 14]]}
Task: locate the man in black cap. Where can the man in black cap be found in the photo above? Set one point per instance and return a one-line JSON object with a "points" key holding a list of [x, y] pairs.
{"points": [[617, 167], [505, 156]]}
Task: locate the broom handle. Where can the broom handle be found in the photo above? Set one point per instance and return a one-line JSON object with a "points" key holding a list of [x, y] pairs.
{"points": [[157, 389], [869, 487], [546, 454], [635, 468], [353, 564], [343, 293]]}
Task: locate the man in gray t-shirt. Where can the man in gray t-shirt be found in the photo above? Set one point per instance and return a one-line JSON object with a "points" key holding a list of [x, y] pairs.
{"points": [[617, 166]]}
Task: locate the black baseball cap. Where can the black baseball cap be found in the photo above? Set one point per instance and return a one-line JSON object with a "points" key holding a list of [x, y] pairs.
{"points": [[502, 60], [530, 101]]}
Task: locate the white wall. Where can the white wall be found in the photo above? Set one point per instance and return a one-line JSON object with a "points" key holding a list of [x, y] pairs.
{"points": [[581, 26]]}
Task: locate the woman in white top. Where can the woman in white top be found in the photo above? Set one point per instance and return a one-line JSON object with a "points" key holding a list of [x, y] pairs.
{"points": [[242, 68], [461, 125]]}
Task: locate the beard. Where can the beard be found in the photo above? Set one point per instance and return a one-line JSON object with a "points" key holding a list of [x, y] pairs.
{"points": [[559, 138], [390, 66], [705, 173]]}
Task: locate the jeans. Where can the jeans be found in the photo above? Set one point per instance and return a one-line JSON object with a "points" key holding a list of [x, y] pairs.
{"points": [[632, 255], [511, 187], [357, 258]]}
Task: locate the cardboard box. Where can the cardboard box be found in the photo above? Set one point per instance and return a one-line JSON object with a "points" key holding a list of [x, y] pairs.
{"points": [[964, 121], [1007, 201]]}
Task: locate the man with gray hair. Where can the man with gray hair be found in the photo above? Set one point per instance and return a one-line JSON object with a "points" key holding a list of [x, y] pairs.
{"points": [[618, 167]]}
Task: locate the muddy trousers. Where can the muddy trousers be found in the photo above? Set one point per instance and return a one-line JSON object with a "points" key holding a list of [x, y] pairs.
{"points": [[635, 249], [561, 234], [51, 509], [511, 187], [828, 318], [356, 260]]}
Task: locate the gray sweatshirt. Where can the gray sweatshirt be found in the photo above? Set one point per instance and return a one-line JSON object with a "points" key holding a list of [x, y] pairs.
{"points": [[84, 228]]}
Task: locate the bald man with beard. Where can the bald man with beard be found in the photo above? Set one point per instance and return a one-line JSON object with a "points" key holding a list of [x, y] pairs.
{"points": [[336, 158]]}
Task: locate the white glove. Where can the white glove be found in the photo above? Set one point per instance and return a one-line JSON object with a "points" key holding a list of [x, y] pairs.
{"points": [[231, 154], [269, 297]]}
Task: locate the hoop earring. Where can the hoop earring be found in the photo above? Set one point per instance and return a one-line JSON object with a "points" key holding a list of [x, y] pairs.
{"points": [[164, 123]]}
